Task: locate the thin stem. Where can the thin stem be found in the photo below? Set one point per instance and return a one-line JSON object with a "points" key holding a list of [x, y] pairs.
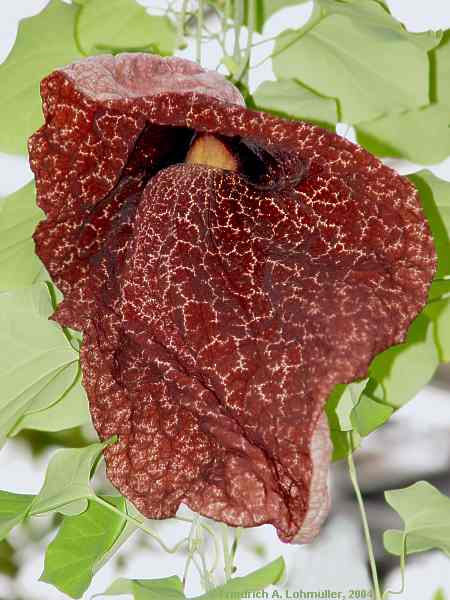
{"points": [[200, 572], [198, 37], [186, 569], [237, 537], [243, 72], [216, 546], [192, 547], [276, 52], [181, 22], [238, 20], [229, 556], [264, 41], [402, 570], [225, 18], [208, 583], [208, 529], [228, 10], [139, 525], [362, 510], [227, 566], [262, 61], [214, 36]]}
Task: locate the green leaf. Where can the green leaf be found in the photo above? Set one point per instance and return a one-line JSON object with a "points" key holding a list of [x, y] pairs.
{"points": [[13, 510], [270, 7], [396, 376], [440, 80], [370, 17], [439, 314], [400, 372], [428, 40], [37, 361], [369, 414], [342, 54], [341, 445], [426, 516], [19, 215], [440, 595], [71, 410], [169, 588], [263, 9], [67, 482], [123, 25], [435, 199], [126, 532], [44, 42], [421, 136], [8, 565], [253, 582], [293, 100], [82, 542], [339, 438], [349, 410], [347, 402], [439, 288]]}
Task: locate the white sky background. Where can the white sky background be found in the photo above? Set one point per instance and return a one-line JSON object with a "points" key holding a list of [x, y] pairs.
{"points": [[332, 562]]}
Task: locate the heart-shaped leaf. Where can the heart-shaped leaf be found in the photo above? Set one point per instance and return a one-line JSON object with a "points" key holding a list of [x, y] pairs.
{"points": [[67, 482], [19, 215], [242, 587], [400, 372], [169, 588], [426, 516], [114, 26], [73, 556], [44, 42], [421, 135], [342, 54], [13, 510], [435, 198], [38, 363], [290, 98]]}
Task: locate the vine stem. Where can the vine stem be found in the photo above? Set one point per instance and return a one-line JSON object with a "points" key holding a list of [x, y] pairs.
{"points": [[205, 574], [198, 36], [362, 510], [243, 71], [238, 20], [228, 10], [229, 555], [191, 548], [181, 22], [227, 567], [208, 529], [139, 525], [402, 571], [237, 537]]}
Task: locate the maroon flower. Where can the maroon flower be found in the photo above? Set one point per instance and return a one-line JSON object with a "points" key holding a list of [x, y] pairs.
{"points": [[227, 268]]}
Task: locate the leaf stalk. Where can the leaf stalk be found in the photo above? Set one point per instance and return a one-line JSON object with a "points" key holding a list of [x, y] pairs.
{"points": [[362, 510]]}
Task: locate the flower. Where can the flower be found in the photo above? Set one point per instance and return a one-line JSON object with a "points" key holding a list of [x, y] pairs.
{"points": [[227, 268]]}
